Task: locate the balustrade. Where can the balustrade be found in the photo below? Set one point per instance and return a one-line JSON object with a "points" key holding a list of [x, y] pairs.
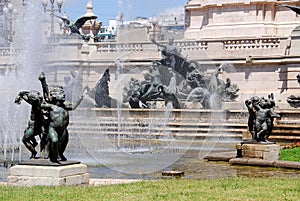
{"points": [[120, 47], [192, 45], [259, 43], [186, 46], [235, 44], [5, 51]]}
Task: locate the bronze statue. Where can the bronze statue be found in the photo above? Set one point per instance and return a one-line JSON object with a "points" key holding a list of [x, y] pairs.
{"points": [[169, 97], [296, 9], [294, 100], [151, 88], [230, 91], [261, 117], [194, 77], [214, 83], [36, 122], [169, 51], [100, 93], [195, 87], [73, 86], [49, 119], [251, 118], [133, 94], [75, 26], [57, 120], [102, 96]]}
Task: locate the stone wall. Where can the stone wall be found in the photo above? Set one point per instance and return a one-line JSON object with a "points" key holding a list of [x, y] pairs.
{"points": [[235, 18], [258, 65], [254, 38]]}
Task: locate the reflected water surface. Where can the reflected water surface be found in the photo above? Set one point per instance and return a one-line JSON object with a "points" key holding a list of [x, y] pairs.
{"points": [[193, 167]]}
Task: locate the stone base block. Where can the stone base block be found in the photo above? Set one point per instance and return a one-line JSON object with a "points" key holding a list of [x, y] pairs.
{"points": [[30, 175], [246, 135], [261, 151]]}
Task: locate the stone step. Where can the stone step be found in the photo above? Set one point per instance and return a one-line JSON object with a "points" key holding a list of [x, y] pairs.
{"points": [[294, 122], [284, 138], [157, 128], [217, 137], [188, 127], [151, 135], [103, 143], [168, 123], [144, 123], [276, 136], [192, 124], [190, 121]]}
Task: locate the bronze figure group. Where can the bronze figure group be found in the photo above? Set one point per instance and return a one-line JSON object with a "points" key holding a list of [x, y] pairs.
{"points": [[261, 117], [49, 120]]}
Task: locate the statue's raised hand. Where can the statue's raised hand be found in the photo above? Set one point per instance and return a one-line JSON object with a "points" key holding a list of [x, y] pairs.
{"points": [[42, 76], [18, 100]]}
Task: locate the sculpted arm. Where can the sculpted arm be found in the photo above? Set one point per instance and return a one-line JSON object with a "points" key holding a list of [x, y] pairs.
{"points": [[158, 44], [70, 106], [22, 95], [249, 105], [46, 106], [256, 106], [42, 78]]}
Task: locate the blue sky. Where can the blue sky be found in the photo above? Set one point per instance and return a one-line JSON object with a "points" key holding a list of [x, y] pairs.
{"points": [[108, 9]]}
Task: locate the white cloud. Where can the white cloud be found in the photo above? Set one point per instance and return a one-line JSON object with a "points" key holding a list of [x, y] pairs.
{"points": [[175, 11]]}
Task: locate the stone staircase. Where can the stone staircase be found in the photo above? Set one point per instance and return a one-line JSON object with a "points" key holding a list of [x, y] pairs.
{"points": [[221, 126]]}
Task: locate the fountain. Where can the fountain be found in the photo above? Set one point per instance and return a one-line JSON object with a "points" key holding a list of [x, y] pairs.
{"points": [[130, 141], [27, 54], [138, 145], [25, 57], [148, 138]]}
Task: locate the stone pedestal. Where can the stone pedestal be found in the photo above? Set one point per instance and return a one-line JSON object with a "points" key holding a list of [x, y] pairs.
{"points": [[36, 175], [246, 135], [268, 152]]}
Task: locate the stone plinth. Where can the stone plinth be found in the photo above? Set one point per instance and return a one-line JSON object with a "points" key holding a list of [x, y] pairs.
{"points": [[34, 175], [268, 152]]}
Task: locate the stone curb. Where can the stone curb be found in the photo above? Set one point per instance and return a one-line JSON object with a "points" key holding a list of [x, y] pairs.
{"points": [[224, 156], [264, 163]]}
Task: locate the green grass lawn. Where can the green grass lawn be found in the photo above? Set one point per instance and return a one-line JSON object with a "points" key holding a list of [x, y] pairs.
{"points": [[234, 188], [291, 154], [169, 189]]}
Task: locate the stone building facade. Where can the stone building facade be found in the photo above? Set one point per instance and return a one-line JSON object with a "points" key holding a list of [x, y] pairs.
{"points": [[237, 18], [257, 40]]}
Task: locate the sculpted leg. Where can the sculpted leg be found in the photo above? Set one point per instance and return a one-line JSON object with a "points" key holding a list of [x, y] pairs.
{"points": [[262, 132], [53, 146], [29, 141], [63, 144], [45, 146]]}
